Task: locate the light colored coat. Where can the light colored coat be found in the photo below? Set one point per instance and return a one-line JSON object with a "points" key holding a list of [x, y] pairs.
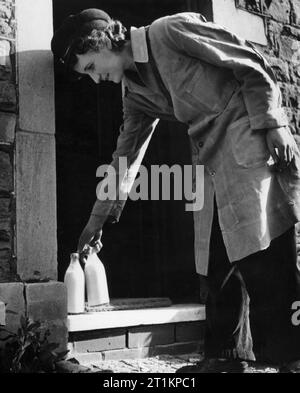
{"points": [[226, 92]]}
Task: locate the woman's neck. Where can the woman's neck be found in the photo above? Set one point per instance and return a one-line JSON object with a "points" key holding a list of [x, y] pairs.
{"points": [[128, 57]]}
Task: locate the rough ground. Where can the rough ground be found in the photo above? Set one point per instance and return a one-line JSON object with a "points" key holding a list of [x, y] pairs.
{"points": [[161, 364]]}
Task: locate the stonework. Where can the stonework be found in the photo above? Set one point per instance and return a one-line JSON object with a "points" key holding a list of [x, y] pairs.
{"points": [[8, 125], [5, 62], [295, 12], [280, 10], [30, 75], [283, 53], [5, 266], [7, 135], [46, 302], [28, 261], [137, 341], [6, 174], [35, 206], [7, 96], [12, 295]]}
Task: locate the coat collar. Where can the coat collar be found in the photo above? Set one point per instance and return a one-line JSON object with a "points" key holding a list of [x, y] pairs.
{"points": [[139, 44]]}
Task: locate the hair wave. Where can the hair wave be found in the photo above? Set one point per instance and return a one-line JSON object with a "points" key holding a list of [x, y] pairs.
{"points": [[111, 36]]}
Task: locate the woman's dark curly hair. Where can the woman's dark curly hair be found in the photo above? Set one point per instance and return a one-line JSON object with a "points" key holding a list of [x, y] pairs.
{"points": [[111, 36]]}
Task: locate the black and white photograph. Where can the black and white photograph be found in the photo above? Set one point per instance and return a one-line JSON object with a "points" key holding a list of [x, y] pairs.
{"points": [[149, 189]]}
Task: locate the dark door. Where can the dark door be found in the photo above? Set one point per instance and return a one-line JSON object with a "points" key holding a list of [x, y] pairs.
{"points": [[150, 252]]}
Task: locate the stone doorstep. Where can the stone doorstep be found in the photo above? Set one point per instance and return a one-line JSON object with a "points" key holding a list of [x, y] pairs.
{"points": [[128, 318], [135, 324]]}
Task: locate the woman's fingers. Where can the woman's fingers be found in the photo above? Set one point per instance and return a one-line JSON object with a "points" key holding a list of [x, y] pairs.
{"points": [[272, 149], [282, 147], [282, 154], [96, 241], [289, 154], [273, 152], [97, 247]]}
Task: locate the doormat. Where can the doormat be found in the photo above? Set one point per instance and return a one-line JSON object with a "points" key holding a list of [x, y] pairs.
{"points": [[131, 304]]}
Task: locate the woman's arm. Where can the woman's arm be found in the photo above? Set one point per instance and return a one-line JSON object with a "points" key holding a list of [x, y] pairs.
{"points": [[135, 135], [188, 34], [212, 44]]}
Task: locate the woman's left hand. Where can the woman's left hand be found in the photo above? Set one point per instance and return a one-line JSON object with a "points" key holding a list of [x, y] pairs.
{"points": [[282, 146]]}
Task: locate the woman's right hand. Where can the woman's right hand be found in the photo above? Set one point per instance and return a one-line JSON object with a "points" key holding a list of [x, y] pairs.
{"points": [[90, 236]]}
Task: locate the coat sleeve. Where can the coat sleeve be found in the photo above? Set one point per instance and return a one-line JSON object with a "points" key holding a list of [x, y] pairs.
{"points": [[191, 35], [132, 143]]}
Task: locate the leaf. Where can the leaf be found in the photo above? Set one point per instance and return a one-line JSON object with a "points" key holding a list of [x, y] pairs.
{"points": [[18, 357], [47, 356], [20, 333], [27, 344], [31, 334], [33, 325], [23, 322], [29, 350], [37, 335], [50, 347], [62, 354], [47, 334], [7, 337]]}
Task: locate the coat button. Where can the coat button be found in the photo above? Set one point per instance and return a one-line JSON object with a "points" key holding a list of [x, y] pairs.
{"points": [[200, 144]]}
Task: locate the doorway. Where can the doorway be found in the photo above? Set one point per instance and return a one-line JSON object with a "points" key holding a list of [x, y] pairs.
{"points": [[149, 253]]}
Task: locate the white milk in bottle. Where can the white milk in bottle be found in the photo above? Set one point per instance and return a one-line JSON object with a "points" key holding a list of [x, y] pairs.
{"points": [[75, 282], [95, 278]]}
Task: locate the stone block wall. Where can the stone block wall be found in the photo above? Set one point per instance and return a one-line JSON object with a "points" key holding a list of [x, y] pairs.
{"points": [[28, 260], [283, 54], [28, 249], [137, 341], [8, 113]]}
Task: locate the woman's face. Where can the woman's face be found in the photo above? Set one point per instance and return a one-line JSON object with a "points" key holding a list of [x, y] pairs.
{"points": [[105, 65]]}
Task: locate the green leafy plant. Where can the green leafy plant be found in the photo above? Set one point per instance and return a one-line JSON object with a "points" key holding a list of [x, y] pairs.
{"points": [[28, 350]]}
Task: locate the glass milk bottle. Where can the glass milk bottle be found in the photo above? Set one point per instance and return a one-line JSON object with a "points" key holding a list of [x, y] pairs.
{"points": [[75, 282], [95, 278]]}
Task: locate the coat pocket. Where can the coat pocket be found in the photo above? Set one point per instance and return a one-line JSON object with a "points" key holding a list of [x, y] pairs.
{"points": [[202, 86], [208, 88], [249, 147]]}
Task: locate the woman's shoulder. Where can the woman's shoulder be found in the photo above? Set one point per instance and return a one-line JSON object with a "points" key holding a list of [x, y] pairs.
{"points": [[177, 19], [168, 24]]}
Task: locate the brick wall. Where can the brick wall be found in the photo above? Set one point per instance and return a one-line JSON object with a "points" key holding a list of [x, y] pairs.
{"points": [[137, 341], [27, 143], [283, 53], [8, 112]]}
